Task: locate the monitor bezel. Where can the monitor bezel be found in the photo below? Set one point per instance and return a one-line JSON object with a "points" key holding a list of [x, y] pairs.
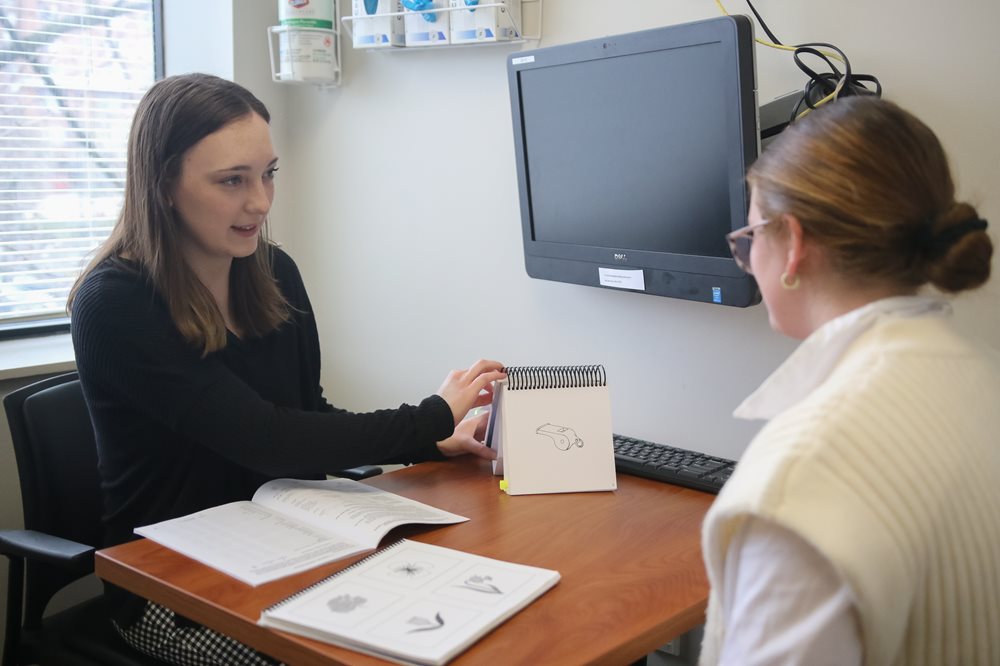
{"points": [[579, 263]]}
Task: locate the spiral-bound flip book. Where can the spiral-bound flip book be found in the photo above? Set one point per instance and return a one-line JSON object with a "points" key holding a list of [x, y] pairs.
{"points": [[412, 602], [551, 429]]}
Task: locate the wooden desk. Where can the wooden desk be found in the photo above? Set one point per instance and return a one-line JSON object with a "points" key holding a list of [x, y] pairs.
{"points": [[632, 573]]}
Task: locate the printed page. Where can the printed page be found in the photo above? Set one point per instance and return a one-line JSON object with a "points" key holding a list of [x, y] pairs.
{"points": [[250, 542], [355, 511], [558, 440], [291, 526], [412, 601]]}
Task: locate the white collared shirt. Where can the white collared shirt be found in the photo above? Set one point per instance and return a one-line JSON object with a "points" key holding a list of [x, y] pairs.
{"points": [[782, 602], [811, 363]]}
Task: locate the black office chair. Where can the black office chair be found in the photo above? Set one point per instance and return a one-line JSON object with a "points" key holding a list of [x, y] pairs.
{"points": [[60, 492]]}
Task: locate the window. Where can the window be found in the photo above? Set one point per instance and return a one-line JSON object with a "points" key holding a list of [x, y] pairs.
{"points": [[71, 75]]}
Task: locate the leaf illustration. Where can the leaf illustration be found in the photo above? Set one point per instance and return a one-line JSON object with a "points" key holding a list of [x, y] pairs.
{"points": [[428, 624]]}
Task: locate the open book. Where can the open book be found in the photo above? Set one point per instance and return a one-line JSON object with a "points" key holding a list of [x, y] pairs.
{"points": [[411, 602], [291, 525]]}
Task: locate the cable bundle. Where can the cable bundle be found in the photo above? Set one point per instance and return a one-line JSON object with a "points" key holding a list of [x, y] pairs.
{"points": [[822, 87]]}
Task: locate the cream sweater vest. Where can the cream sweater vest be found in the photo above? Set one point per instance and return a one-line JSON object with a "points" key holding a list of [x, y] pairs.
{"points": [[891, 470]]}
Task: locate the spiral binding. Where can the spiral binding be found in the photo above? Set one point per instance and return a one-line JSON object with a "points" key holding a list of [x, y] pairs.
{"points": [[525, 377], [324, 581]]}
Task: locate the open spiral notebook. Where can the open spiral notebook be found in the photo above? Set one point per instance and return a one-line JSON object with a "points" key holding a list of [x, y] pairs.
{"points": [[411, 602]]}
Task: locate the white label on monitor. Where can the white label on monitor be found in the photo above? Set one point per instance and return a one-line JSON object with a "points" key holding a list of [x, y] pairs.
{"points": [[622, 279], [522, 60]]}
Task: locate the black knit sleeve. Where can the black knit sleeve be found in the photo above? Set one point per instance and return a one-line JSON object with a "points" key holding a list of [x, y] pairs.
{"points": [[128, 349]]}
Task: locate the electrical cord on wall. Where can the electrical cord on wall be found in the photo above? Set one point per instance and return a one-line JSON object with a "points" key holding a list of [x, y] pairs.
{"points": [[822, 87]]}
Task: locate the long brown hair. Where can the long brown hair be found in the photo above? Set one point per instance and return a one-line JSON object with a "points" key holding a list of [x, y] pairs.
{"points": [[870, 183], [174, 115]]}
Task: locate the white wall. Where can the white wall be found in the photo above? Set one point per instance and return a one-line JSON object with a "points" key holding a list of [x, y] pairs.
{"points": [[198, 37], [228, 39], [402, 213]]}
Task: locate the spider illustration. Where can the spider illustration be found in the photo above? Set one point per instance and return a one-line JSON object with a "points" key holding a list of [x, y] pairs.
{"points": [[410, 569]]}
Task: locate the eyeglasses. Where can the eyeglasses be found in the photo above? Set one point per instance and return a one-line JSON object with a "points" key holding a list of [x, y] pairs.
{"points": [[740, 242]]}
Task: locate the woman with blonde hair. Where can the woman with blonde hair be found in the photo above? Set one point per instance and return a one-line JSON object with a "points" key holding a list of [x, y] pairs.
{"points": [[860, 524]]}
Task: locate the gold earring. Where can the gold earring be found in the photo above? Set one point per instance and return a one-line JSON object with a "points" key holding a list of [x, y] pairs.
{"points": [[794, 284]]}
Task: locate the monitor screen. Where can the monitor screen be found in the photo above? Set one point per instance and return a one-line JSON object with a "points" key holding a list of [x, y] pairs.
{"points": [[631, 154]]}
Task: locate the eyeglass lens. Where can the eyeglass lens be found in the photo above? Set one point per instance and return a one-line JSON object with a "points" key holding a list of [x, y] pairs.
{"points": [[741, 250]]}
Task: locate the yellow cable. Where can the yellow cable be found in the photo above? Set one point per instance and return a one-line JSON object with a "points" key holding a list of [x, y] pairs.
{"points": [[831, 96], [816, 105], [780, 47]]}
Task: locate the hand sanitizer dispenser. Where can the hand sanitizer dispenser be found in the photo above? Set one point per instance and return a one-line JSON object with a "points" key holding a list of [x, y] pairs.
{"points": [[308, 43]]}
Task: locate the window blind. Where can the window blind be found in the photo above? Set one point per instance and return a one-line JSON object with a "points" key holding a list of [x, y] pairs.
{"points": [[71, 75]]}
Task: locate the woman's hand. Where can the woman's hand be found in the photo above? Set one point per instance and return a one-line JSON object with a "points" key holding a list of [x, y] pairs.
{"points": [[468, 438], [465, 389]]}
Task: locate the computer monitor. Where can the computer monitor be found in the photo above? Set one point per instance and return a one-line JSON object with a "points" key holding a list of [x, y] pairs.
{"points": [[631, 154]]}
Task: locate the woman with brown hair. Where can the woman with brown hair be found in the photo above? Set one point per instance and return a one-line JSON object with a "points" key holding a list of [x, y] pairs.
{"points": [[860, 524], [198, 352]]}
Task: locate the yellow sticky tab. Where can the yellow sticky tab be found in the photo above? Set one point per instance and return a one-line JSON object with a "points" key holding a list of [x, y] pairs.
{"points": [[503, 485]]}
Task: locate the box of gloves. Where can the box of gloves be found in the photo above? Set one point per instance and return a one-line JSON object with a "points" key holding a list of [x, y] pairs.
{"points": [[426, 28], [377, 24], [471, 23]]}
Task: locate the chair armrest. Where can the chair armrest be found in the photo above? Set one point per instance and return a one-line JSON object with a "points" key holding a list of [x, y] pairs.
{"points": [[32, 545], [358, 473]]}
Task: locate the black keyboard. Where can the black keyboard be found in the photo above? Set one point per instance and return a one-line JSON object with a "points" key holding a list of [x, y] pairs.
{"points": [[671, 465]]}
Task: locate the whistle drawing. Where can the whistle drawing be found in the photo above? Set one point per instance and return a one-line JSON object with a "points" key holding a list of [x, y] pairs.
{"points": [[562, 437]]}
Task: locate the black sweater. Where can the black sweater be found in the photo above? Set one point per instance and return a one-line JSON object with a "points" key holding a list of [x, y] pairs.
{"points": [[178, 432]]}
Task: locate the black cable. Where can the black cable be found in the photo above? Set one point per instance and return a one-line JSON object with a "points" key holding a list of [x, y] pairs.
{"points": [[822, 85], [770, 35]]}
